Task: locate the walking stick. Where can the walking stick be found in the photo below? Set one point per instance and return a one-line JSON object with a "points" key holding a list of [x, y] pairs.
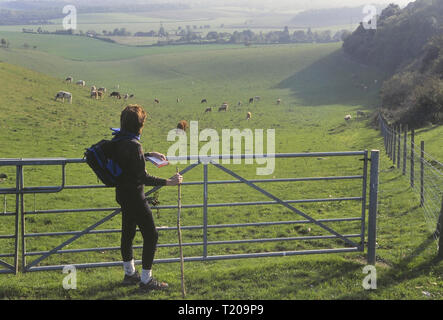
{"points": [[180, 240]]}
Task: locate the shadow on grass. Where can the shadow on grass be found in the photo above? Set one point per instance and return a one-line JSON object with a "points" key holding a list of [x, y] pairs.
{"points": [[335, 80], [402, 271]]}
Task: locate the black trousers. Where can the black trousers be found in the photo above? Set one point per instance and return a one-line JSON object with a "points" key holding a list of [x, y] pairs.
{"points": [[136, 212]]}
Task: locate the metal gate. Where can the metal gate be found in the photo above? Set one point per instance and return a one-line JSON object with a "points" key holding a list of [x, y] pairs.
{"points": [[352, 242]]}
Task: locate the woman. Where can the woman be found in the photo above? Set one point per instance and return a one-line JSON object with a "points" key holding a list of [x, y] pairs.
{"points": [[128, 153]]}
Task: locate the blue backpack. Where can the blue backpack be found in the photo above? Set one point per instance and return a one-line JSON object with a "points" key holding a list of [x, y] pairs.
{"points": [[99, 158]]}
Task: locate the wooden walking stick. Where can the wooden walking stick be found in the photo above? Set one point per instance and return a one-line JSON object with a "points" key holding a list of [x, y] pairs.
{"points": [[182, 264]]}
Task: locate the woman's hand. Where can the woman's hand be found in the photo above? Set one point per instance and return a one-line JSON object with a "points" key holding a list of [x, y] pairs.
{"points": [[175, 180], [157, 155]]}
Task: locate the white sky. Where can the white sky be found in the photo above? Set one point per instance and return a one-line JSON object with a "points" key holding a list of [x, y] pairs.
{"points": [[295, 4], [263, 4]]}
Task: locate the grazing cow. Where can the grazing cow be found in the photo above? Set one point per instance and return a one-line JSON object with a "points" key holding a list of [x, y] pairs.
{"points": [[224, 107], [251, 100], [248, 116], [131, 96], [182, 125], [239, 104], [97, 94], [93, 88], [178, 100], [208, 109], [116, 94], [102, 90], [69, 79], [348, 117], [81, 83], [126, 96], [278, 101], [257, 99], [156, 101], [360, 114], [62, 95], [204, 101]]}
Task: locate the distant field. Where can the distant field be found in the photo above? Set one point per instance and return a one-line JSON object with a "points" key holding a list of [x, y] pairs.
{"points": [[318, 85], [219, 20]]}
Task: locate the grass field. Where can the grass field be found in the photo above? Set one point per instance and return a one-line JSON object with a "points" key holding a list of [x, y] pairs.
{"points": [[318, 86]]}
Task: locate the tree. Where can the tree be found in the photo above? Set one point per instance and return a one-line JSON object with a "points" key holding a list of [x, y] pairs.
{"points": [[162, 32], [299, 36], [284, 36], [213, 35]]}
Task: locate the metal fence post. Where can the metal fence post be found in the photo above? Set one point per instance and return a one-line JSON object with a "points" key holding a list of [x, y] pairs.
{"points": [[17, 218], [205, 210], [405, 146], [440, 231], [422, 173], [394, 149], [373, 204], [412, 157], [364, 200], [22, 215], [398, 147]]}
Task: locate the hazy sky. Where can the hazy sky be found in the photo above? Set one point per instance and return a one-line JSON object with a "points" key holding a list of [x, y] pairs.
{"points": [[265, 3], [296, 4]]}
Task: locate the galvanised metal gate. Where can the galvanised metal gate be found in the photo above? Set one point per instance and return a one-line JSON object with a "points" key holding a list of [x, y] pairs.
{"points": [[20, 191]]}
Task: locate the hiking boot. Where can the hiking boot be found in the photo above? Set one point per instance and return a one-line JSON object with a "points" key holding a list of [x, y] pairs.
{"points": [[130, 280], [153, 285]]}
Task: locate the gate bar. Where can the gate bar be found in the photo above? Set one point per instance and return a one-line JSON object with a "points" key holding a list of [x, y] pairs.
{"points": [[107, 218], [284, 204]]}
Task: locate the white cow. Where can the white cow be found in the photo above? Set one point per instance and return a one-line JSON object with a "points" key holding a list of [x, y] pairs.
{"points": [[81, 83], [62, 95], [348, 117]]}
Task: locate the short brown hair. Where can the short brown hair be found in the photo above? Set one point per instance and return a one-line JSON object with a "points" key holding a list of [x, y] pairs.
{"points": [[132, 118]]}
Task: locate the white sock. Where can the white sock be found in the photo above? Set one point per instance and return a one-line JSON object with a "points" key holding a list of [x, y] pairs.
{"points": [[146, 276], [129, 267]]}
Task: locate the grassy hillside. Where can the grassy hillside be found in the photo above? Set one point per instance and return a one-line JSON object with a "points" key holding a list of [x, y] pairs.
{"points": [[33, 125]]}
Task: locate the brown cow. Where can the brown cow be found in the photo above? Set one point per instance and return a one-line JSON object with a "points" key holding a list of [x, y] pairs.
{"points": [[182, 126], [248, 116], [224, 107]]}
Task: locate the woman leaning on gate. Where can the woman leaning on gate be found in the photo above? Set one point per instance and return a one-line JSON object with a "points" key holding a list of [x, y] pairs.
{"points": [[130, 195]]}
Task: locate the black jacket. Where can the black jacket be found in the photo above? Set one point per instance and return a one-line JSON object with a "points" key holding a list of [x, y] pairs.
{"points": [[130, 157]]}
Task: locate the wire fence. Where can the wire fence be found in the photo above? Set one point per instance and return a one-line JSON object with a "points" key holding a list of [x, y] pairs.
{"points": [[425, 173]]}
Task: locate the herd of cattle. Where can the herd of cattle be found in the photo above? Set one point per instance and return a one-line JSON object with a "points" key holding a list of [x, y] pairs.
{"points": [[95, 93], [100, 92]]}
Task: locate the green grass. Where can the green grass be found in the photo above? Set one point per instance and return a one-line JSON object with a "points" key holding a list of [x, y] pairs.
{"points": [[309, 119]]}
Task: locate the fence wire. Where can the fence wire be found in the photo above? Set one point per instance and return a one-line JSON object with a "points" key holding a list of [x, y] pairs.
{"points": [[425, 171]]}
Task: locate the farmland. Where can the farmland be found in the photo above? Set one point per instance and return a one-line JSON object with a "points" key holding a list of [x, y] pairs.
{"points": [[317, 85]]}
